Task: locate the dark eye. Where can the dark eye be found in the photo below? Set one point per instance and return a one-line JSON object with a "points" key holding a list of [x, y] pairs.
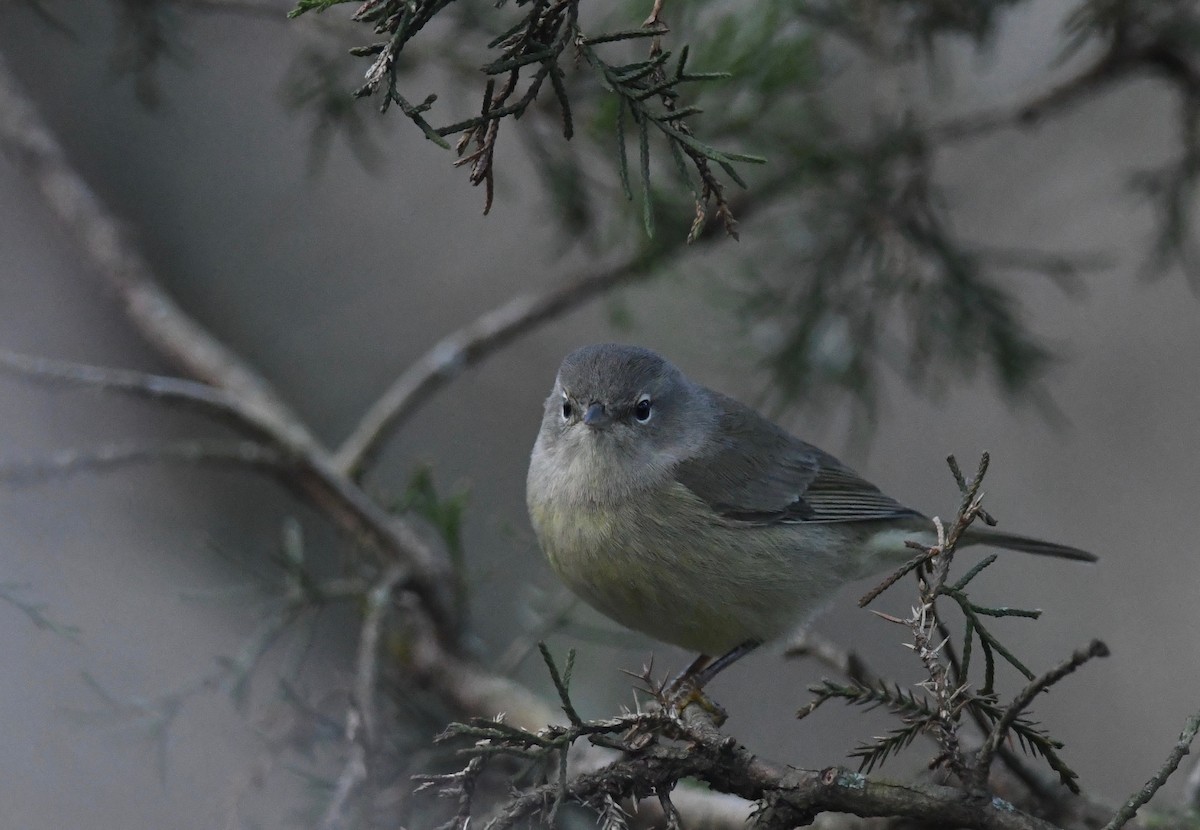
{"points": [[566, 410], [641, 410]]}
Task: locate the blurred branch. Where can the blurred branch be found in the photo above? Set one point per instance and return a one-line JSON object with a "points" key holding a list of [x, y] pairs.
{"points": [[378, 599], [422, 576], [1191, 788], [561, 605], [463, 348], [156, 316], [1030, 113], [10, 592], [1181, 748], [849, 663], [64, 463], [273, 10], [231, 674], [361, 716], [1137, 37], [186, 394], [184, 341]]}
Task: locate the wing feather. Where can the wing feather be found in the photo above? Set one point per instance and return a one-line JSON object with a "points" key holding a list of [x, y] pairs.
{"points": [[756, 472]]}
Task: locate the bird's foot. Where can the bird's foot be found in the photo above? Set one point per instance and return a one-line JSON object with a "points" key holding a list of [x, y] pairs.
{"points": [[679, 699]]}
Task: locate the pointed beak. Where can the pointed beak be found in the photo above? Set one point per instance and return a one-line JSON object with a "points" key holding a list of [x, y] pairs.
{"points": [[595, 416]]}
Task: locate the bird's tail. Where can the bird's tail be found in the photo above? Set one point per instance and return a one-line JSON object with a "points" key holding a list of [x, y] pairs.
{"points": [[1025, 544]]}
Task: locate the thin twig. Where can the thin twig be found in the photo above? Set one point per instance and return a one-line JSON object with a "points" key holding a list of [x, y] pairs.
{"points": [[895, 576], [353, 774], [562, 605], [849, 663], [188, 394], [367, 662], [361, 729], [36, 611], [983, 760], [1181, 748], [562, 682], [230, 674]]}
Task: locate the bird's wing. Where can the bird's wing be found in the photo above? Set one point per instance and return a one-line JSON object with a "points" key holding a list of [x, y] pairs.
{"points": [[756, 472]]}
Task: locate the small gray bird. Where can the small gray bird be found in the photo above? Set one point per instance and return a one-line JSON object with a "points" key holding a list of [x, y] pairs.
{"points": [[686, 515]]}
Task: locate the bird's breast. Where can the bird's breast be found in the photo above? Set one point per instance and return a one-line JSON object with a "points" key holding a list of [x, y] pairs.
{"points": [[661, 563]]}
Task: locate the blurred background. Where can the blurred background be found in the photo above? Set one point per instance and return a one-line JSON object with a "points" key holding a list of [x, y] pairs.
{"points": [[331, 266]]}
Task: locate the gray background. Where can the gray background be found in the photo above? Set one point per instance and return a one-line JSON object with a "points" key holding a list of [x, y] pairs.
{"points": [[332, 284]]}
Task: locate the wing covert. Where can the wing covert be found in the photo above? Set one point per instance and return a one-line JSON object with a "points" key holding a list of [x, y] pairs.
{"points": [[756, 472]]}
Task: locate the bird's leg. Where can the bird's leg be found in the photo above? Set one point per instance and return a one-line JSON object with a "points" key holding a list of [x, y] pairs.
{"points": [[688, 687], [687, 674], [711, 668]]}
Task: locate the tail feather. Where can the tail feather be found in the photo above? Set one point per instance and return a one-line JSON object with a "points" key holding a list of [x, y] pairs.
{"points": [[1026, 544]]}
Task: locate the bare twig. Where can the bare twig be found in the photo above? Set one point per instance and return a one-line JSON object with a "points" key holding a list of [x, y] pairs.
{"points": [[895, 576], [188, 394], [1181, 748], [562, 605]]}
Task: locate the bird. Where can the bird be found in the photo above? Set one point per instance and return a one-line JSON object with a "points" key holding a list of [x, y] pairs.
{"points": [[684, 514]]}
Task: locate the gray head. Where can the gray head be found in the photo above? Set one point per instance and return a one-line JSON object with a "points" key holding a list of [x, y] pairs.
{"points": [[619, 418]]}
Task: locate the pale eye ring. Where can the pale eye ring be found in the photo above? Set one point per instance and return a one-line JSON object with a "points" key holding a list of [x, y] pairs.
{"points": [[642, 410], [567, 409]]}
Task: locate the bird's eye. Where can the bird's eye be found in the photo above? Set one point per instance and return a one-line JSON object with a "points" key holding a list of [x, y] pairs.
{"points": [[566, 409], [641, 410]]}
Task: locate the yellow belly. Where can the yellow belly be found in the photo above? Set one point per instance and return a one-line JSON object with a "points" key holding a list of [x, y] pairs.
{"points": [[663, 564]]}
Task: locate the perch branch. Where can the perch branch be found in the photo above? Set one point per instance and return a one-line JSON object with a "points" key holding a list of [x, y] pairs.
{"points": [[694, 749]]}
